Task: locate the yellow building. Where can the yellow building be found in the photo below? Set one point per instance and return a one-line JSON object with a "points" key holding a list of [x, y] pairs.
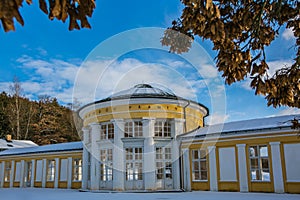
{"points": [[259, 155], [145, 138], [51, 166]]}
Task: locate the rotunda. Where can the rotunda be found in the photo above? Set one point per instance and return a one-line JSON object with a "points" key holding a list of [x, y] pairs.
{"points": [[131, 139]]}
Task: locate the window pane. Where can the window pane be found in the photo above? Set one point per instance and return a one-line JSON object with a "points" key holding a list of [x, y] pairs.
{"points": [[103, 132], [159, 153], [255, 175], [263, 151], [203, 165], [202, 154], [203, 175], [254, 163], [196, 166], [265, 163], [265, 175], [110, 131], [195, 154], [169, 170], [196, 176], [253, 151]]}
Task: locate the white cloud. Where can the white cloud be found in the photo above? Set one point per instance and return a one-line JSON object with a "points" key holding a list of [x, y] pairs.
{"points": [[217, 118], [288, 34], [289, 111], [98, 79]]}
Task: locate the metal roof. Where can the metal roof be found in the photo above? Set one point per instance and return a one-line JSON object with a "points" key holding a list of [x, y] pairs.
{"points": [[4, 144], [276, 122], [70, 146]]}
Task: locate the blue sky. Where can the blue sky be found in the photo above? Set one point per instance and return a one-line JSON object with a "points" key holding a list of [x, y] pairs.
{"points": [[47, 58]]}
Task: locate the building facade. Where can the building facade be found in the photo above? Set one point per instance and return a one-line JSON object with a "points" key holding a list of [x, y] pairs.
{"points": [[145, 138], [138, 146]]}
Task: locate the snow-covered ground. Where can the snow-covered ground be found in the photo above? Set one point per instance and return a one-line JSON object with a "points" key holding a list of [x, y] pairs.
{"points": [[55, 194]]}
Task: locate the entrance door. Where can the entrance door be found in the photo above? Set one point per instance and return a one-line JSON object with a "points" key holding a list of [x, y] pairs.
{"points": [[164, 176], [106, 169], [28, 174], [134, 169]]}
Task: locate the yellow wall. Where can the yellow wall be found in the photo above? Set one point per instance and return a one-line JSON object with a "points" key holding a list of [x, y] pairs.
{"points": [[194, 118]]}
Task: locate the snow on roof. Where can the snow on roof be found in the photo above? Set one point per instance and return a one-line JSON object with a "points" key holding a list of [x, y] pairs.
{"points": [[4, 144], [245, 125], [44, 149]]}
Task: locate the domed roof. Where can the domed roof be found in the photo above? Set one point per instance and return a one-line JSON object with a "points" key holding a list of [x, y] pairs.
{"points": [[142, 90]]}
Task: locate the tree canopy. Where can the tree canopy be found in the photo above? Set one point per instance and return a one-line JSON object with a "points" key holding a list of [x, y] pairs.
{"points": [[240, 31], [76, 10]]}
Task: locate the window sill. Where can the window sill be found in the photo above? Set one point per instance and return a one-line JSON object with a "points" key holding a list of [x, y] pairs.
{"points": [[259, 181], [200, 181]]}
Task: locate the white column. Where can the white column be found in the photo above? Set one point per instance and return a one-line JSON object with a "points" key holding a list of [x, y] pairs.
{"points": [[118, 156], [186, 170], [242, 163], [57, 167], [32, 172], [95, 154], [12, 174], [44, 173], [22, 173], [149, 153], [213, 168], [70, 172], [177, 128], [84, 182], [277, 167], [2, 173], [175, 159]]}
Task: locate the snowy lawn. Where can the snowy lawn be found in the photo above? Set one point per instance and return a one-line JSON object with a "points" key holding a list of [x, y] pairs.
{"points": [[56, 194]]}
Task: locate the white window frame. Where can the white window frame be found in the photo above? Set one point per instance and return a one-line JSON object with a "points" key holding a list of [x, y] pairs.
{"points": [[77, 169], [134, 164], [162, 129], [163, 160], [259, 169], [202, 163], [107, 131], [106, 164], [133, 128]]}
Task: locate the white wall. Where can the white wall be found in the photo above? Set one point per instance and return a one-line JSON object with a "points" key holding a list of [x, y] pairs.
{"points": [[18, 171], [64, 170], [292, 162], [39, 170], [227, 163]]}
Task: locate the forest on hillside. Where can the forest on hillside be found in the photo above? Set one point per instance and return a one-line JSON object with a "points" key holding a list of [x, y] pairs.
{"points": [[43, 121]]}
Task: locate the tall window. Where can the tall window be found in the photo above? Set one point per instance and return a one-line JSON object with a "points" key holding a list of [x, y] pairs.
{"points": [[106, 166], [199, 164], [7, 171], [134, 164], [77, 169], [107, 131], [50, 170], [162, 129], [259, 163], [163, 163], [133, 129]]}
